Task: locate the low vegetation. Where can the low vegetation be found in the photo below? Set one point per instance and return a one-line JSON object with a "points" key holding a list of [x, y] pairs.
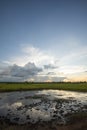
{"points": [[79, 86]]}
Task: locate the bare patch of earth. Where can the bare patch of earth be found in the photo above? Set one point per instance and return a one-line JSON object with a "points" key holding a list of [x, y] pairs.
{"points": [[77, 122]]}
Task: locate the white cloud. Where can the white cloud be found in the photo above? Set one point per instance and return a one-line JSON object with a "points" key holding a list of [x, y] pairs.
{"points": [[72, 69], [32, 54], [36, 65], [75, 56]]}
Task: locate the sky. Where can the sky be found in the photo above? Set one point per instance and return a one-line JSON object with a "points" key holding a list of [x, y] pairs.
{"points": [[43, 40]]}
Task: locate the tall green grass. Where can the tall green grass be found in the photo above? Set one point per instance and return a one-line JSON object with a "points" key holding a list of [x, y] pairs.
{"points": [[82, 86]]}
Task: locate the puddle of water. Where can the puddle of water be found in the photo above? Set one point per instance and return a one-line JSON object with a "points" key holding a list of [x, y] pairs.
{"points": [[45, 105], [80, 96]]}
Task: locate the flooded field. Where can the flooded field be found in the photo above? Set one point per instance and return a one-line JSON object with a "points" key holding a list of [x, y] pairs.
{"points": [[41, 106]]}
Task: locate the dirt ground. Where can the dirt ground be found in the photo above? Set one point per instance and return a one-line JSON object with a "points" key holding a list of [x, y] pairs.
{"points": [[77, 123]]}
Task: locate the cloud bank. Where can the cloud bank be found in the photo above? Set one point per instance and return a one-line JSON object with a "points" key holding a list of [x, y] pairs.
{"points": [[18, 73], [41, 66], [28, 72]]}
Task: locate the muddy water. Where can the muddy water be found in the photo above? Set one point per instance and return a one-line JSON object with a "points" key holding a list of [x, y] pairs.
{"points": [[38, 106]]}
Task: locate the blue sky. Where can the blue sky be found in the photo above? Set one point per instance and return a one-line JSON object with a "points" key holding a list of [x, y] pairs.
{"points": [[42, 33]]}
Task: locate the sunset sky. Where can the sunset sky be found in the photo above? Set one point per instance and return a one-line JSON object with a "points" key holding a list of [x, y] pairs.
{"points": [[43, 40]]}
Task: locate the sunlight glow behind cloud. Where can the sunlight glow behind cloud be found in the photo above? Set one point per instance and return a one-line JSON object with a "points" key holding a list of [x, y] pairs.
{"points": [[37, 65], [32, 54], [50, 35]]}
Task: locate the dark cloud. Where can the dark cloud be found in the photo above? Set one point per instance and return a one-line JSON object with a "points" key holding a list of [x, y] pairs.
{"points": [[10, 79], [29, 72], [49, 66], [16, 72], [51, 73], [29, 69]]}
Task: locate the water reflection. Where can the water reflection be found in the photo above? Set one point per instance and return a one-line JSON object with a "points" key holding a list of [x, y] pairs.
{"points": [[52, 94], [45, 105]]}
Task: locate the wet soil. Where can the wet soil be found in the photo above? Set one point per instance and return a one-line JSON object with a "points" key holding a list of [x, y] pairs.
{"points": [[75, 123]]}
